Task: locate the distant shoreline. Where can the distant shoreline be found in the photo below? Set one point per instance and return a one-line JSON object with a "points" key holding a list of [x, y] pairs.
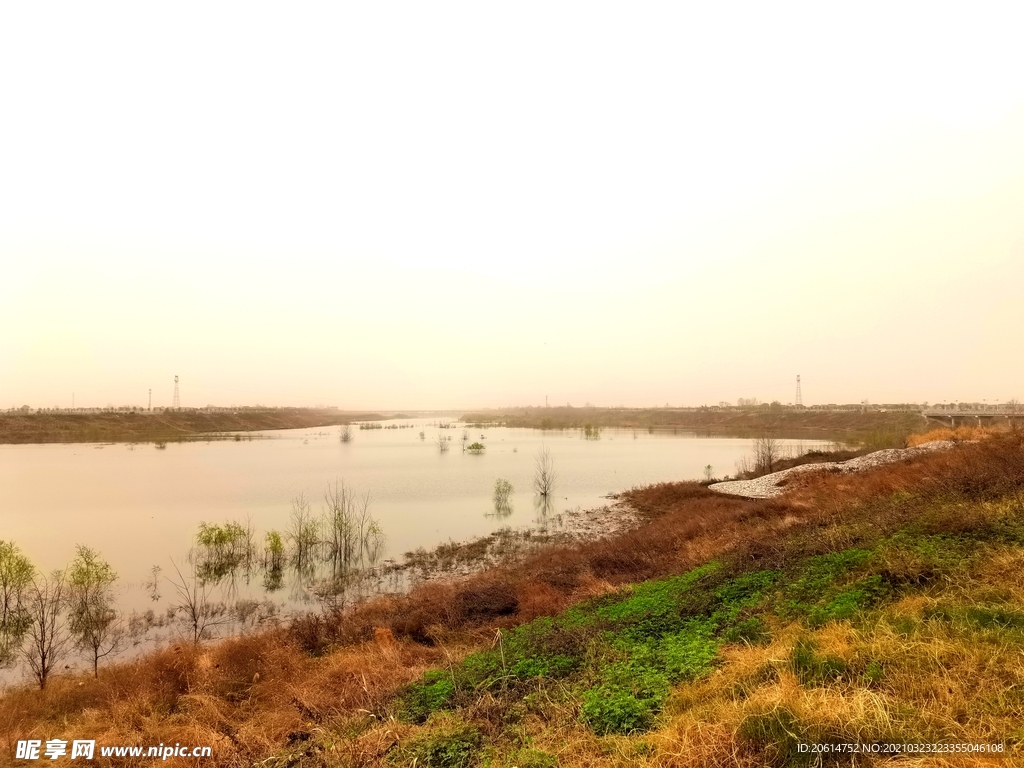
{"points": [[873, 426], [163, 426]]}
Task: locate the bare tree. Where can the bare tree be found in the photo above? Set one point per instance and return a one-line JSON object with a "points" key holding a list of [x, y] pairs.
{"points": [[346, 434], [194, 603], [767, 452], [95, 625], [47, 630], [442, 444], [544, 476]]}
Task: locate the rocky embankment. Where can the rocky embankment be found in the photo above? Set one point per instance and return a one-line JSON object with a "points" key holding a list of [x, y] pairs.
{"points": [[770, 486]]}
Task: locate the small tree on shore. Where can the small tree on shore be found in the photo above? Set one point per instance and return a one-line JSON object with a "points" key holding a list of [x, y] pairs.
{"points": [[94, 623], [48, 636], [544, 475], [16, 572]]}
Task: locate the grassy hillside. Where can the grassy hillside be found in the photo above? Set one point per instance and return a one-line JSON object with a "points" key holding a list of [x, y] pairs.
{"points": [[886, 607], [166, 426]]}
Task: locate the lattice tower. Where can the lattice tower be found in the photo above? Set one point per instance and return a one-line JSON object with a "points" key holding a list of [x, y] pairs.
{"points": [[176, 403]]}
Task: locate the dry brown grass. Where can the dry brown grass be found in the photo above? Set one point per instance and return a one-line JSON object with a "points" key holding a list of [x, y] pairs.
{"points": [[244, 697], [957, 434]]}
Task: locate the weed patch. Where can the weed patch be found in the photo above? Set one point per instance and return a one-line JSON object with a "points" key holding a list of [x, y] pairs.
{"points": [[812, 668], [456, 746]]}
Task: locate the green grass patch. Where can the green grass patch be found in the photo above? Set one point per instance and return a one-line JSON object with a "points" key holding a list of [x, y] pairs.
{"points": [[534, 758], [624, 650], [996, 618], [430, 694]]}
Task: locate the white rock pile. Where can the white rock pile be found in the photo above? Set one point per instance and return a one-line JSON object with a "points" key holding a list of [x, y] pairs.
{"points": [[770, 486]]}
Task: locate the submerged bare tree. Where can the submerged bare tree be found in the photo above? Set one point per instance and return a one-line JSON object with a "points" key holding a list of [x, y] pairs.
{"points": [[48, 635], [94, 623], [502, 491], [353, 538], [346, 434], [303, 534], [442, 444], [352, 543], [16, 572], [544, 475]]}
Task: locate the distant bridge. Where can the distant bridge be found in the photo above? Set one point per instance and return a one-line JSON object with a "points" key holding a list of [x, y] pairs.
{"points": [[956, 418]]}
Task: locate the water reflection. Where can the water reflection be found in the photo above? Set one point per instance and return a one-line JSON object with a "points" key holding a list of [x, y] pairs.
{"points": [[544, 510]]}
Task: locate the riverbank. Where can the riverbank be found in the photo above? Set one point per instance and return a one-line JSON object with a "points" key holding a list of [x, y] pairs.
{"points": [[162, 426], [878, 607], [769, 486]]}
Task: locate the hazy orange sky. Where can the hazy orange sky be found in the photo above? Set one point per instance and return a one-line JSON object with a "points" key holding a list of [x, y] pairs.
{"points": [[436, 205]]}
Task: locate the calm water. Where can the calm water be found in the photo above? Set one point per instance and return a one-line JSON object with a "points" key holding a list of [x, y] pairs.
{"points": [[141, 506]]}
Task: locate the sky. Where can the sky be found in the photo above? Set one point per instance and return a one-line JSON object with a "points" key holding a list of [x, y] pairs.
{"points": [[462, 205]]}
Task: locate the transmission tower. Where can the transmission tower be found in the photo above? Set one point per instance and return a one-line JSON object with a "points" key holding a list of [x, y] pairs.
{"points": [[799, 397], [176, 403], [150, 406]]}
